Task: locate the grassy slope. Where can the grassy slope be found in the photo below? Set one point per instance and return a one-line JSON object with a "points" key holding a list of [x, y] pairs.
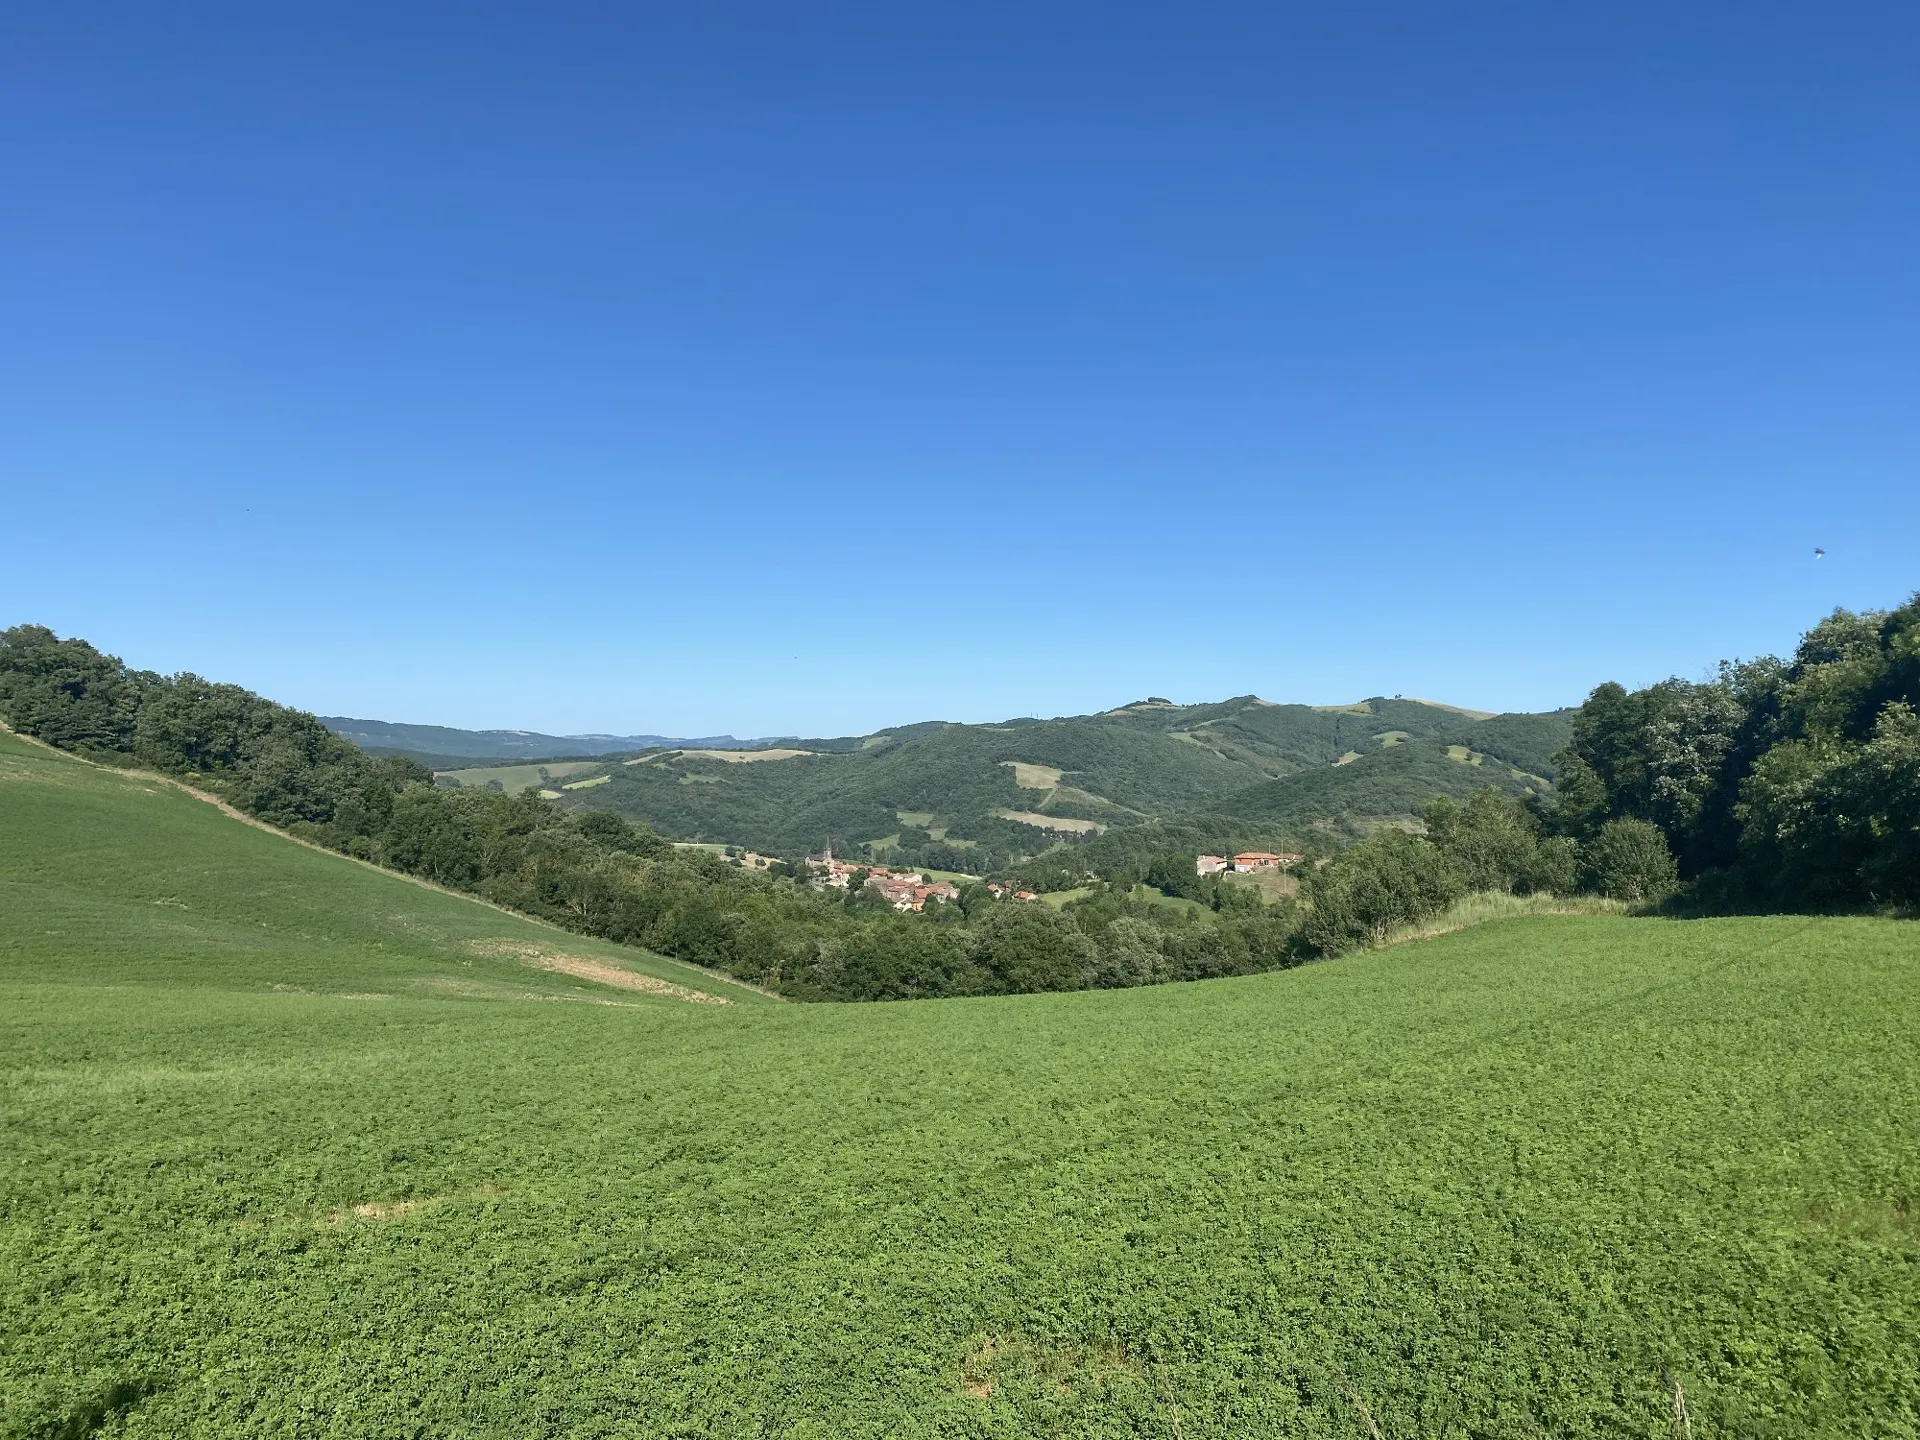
{"points": [[1498, 1183], [108, 878], [515, 778]]}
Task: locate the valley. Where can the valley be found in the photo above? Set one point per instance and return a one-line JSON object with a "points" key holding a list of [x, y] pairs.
{"points": [[293, 1144], [354, 1102], [1281, 773]]}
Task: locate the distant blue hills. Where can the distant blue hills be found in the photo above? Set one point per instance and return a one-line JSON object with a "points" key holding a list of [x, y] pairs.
{"points": [[446, 742]]}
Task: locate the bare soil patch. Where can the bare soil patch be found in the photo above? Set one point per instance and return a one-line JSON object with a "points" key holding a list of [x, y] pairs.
{"points": [[1033, 777], [600, 972], [382, 1209], [732, 757], [1051, 822]]}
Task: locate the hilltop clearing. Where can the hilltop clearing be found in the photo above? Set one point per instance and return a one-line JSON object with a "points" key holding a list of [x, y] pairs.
{"points": [[512, 779], [1566, 1176]]}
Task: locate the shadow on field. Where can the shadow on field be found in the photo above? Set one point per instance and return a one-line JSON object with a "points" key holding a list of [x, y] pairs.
{"points": [[90, 1415]]}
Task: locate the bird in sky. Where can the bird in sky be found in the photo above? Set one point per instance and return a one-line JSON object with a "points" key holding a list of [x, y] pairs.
{"points": [[1818, 553]]}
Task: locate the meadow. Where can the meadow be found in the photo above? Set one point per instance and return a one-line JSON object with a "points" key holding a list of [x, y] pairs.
{"points": [[115, 878], [515, 778], [294, 1147]]}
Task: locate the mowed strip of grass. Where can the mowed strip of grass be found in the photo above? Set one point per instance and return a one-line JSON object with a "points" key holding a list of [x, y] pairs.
{"points": [[110, 878]]}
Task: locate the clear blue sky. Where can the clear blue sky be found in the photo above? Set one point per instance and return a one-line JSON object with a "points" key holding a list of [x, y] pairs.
{"points": [[776, 368]]}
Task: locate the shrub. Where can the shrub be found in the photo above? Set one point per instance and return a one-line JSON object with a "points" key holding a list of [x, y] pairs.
{"points": [[1379, 885], [1629, 860]]}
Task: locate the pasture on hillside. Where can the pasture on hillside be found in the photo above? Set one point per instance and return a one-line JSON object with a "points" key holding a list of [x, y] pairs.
{"points": [[1536, 1178], [514, 778], [116, 878]]}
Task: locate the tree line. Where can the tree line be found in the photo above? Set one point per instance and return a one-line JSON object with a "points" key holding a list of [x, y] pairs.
{"points": [[1780, 784]]}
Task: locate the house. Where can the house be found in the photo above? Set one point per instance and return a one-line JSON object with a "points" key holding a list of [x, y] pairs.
{"points": [[823, 869], [896, 890], [828, 873], [1251, 860], [1209, 864], [908, 890]]}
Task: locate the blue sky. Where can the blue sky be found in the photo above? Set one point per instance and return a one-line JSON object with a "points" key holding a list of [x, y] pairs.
{"points": [[800, 369]]}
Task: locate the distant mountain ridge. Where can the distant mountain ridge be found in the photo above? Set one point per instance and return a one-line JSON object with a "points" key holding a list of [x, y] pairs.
{"points": [[445, 742], [956, 796]]}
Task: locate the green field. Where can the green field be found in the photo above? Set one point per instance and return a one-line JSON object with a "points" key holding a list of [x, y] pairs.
{"points": [[515, 778], [119, 880], [1518, 1180]]}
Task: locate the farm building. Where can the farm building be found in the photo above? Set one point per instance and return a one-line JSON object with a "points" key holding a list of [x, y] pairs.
{"points": [[1250, 860], [1209, 864]]}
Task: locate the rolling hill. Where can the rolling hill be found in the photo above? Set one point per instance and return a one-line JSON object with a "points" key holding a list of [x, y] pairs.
{"points": [[445, 745], [118, 876], [1009, 790], [293, 1146]]}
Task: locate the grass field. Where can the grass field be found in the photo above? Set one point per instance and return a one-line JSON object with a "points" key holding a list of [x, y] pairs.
{"points": [[730, 757], [1519, 1180], [1033, 777], [117, 880], [515, 778], [1052, 822], [1271, 884]]}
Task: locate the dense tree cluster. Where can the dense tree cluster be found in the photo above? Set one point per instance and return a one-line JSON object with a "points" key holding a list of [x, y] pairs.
{"points": [[1395, 879], [1780, 783]]}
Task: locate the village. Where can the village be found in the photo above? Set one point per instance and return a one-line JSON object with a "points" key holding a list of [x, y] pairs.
{"points": [[903, 889], [911, 889], [1246, 863]]}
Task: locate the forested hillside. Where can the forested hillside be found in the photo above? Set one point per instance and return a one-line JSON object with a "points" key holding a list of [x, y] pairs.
{"points": [[977, 798], [1781, 783], [443, 745]]}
